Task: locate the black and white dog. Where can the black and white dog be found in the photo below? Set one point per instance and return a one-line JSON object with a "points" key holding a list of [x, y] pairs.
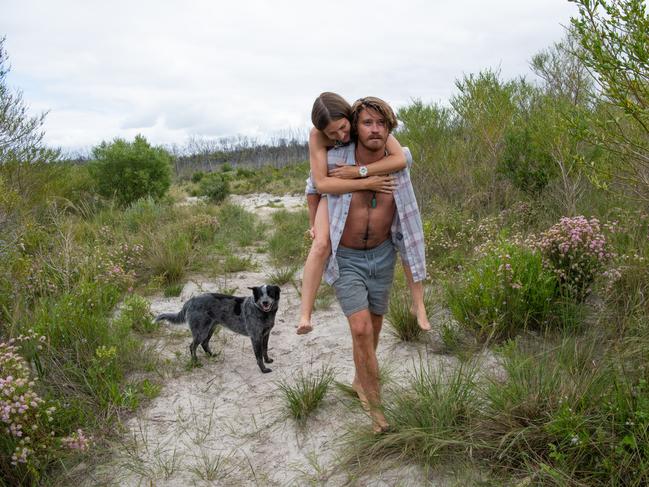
{"points": [[252, 316]]}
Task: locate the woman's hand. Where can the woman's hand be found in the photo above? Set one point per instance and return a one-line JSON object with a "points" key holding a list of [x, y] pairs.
{"points": [[381, 184], [344, 171]]}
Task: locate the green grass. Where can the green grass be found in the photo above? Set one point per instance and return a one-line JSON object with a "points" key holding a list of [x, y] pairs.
{"points": [[282, 275], [234, 263], [325, 297], [287, 245], [305, 391], [402, 323], [173, 290]]}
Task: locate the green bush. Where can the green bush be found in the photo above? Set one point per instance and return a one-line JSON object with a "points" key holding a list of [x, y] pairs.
{"points": [[136, 314], [129, 171], [197, 176], [504, 292], [215, 187]]}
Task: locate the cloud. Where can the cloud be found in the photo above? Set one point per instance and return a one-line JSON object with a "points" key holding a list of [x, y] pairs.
{"points": [[171, 69]]}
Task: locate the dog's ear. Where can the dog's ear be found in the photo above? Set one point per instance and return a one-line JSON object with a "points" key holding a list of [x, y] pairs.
{"points": [[274, 291], [255, 291]]}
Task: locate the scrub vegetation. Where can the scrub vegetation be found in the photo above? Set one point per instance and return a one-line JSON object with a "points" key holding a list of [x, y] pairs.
{"points": [[533, 193]]}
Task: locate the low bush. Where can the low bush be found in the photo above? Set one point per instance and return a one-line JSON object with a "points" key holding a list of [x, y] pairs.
{"points": [[577, 252], [215, 186], [197, 176], [30, 439], [135, 314], [503, 293]]}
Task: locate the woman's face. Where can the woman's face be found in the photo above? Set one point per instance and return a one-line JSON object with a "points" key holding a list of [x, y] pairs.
{"points": [[339, 130]]}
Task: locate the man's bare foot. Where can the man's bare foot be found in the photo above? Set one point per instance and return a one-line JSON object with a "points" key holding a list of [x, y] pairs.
{"points": [[379, 423], [361, 395], [422, 319], [304, 327]]}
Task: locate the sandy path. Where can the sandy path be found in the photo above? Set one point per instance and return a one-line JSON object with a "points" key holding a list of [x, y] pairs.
{"points": [[224, 423]]}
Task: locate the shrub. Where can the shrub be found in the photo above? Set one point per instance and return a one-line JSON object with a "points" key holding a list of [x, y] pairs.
{"points": [[215, 187], [30, 439], [198, 176], [131, 170], [504, 292], [136, 314], [576, 250]]}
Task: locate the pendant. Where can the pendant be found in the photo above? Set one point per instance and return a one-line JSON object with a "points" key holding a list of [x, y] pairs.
{"points": [[373, 202]]}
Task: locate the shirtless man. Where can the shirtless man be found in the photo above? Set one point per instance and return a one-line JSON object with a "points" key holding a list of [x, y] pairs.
{"points": [[365, 227]]}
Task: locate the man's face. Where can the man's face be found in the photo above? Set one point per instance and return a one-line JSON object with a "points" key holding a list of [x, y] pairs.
{"points": [[372, 130]]}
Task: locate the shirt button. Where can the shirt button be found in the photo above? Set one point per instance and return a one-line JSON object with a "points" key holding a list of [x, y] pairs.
{"points": [[399, 236]]}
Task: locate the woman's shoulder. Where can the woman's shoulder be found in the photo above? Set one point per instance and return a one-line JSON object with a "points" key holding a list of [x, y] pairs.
{"points": [[317, 139]]}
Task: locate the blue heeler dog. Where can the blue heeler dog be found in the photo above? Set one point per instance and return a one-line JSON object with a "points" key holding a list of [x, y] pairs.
{"points": [[252, 316]]}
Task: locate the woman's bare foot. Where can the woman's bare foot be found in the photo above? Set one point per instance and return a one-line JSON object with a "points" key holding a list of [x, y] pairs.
{"points": [[304, 327], [422, 318]]}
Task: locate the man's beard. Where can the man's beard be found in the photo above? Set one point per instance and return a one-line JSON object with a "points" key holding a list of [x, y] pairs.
{"points": [[373, 148]]}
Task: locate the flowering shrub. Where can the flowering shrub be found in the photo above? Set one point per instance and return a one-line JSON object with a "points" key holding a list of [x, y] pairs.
{"points": [[503, 292], [576, 250], [28, 437], [118, 265]]}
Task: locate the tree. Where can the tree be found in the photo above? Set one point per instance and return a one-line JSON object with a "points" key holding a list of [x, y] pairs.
{"points": [[128, 171], [613, 36], [21, 136]]}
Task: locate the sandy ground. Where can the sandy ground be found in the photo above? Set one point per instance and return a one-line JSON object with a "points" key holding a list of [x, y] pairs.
{"points": [[224, 423]]}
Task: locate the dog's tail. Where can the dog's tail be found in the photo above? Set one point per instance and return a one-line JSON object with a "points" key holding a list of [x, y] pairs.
{"points": [[175, 318]]}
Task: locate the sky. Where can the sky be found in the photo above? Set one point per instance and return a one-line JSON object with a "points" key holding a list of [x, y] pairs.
{"points": [[173, 70]]}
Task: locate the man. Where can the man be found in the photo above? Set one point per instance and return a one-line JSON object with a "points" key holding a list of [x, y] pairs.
{"points": [[365, 227]]}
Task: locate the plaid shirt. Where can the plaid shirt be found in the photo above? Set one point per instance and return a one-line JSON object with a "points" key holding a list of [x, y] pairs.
{"points": [[407, 232]]}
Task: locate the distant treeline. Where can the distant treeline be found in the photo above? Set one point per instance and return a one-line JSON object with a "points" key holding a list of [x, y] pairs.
{"points": [[209, 155]]}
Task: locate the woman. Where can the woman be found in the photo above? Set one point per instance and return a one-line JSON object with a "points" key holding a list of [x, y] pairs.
{"points": [[331, 119]]}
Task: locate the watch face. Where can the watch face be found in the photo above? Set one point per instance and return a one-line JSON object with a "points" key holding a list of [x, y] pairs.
{"points": [[362, 171]]}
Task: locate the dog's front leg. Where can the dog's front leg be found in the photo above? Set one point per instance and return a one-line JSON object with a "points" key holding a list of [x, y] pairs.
{"points": [[264, 340], [257, 346]]}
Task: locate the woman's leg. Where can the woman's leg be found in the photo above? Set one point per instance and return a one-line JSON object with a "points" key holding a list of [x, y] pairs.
{"points": [[417, 293], [314, 266]]}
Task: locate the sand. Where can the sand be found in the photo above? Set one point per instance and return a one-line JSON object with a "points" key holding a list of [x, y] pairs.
{"points": [[225, 423]]}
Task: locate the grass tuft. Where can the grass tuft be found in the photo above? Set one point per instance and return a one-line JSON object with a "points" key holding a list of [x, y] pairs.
{"points": [[306, 391]]}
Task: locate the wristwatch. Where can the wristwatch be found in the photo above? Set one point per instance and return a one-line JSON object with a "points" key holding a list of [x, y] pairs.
{"points": [[362, 171]]}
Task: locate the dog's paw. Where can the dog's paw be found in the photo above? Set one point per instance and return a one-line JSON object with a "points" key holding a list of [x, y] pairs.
{"points": [[268, 360], [266, 370]]}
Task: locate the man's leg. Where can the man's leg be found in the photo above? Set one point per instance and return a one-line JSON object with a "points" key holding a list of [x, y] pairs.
{"points": [[362, 327]]}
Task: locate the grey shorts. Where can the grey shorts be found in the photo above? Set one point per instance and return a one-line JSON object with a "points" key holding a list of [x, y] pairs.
{"points": [[365, 278]]}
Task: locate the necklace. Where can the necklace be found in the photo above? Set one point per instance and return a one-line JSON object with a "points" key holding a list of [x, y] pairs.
{"points": [[373, 200]]}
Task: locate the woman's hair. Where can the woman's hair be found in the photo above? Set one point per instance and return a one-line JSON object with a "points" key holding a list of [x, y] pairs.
{"points": [[329, 107], [377, 105]]}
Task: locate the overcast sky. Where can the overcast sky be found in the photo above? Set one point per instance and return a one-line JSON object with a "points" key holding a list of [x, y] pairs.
{"points": [[170, 69]]}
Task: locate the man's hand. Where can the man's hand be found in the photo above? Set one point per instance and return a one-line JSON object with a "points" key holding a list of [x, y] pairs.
{"points": [[344, 171], [381, 184]]}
